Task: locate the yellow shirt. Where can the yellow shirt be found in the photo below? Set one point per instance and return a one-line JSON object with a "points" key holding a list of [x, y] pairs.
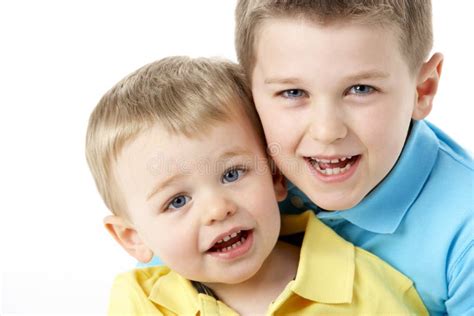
{"points": [[333, 277]]}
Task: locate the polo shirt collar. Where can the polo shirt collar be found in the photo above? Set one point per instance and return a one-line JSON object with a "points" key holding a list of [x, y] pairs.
{"points": [[326, 266], [164, 293], [384, 208], [178, 295]]}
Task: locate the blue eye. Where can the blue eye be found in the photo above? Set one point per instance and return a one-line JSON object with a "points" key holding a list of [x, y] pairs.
{"points": [[232, 175], [179, 201], [361, 89], [293, 93]]}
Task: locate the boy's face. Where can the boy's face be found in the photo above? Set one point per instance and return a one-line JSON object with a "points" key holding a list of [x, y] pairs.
{"points": [[336, 103], [206, 206]]}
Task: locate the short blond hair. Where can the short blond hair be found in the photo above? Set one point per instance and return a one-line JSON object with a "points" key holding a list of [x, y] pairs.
{"points": [[412, 19], [184, 95]]}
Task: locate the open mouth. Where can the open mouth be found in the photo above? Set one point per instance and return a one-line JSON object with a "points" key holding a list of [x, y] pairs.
{"points": [[230, 242], [335, 166]]}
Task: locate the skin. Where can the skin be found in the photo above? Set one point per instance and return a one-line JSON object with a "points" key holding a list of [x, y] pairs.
{"points": [[336, 91], [184, 194]]}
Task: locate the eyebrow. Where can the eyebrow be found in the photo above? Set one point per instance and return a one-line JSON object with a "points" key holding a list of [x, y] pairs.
{"points": [[356, 77], [164, 183], [282, 81], [368, 75], [174, 178], [234, 153]]}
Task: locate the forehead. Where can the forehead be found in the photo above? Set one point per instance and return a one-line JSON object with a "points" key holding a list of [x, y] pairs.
{"points": [[284, 44]]}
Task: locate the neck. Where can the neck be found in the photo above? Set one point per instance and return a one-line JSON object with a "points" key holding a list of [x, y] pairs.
{"points": [[254, 295]]}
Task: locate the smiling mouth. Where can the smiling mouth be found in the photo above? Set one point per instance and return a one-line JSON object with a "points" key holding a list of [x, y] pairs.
{"points": [[230, 242], [335, 166]]}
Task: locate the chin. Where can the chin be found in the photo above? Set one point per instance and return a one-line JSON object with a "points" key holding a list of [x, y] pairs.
{"points": [[335, 203]]}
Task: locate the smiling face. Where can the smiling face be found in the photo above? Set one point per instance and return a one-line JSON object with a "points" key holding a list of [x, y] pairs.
{"points": [[206, 206], [336, 101]]}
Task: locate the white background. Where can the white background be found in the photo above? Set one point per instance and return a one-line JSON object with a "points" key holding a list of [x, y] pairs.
{"points": [[57, 58]]}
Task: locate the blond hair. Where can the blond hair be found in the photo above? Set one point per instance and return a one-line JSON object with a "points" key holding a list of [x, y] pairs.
{"points": [[412, 19], [185, 96]]}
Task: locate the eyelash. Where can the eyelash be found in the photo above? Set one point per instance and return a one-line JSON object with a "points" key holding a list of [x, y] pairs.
{"points": [[234, 168], [168, 205], [370, 88], [285, 95]]}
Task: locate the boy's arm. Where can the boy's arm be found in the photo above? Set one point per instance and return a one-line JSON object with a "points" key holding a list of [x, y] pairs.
{"points": [[461, 284]]}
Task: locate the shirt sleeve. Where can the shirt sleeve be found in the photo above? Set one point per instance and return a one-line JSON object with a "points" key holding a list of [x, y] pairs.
{"points": [[461, 284], [127, 298]]}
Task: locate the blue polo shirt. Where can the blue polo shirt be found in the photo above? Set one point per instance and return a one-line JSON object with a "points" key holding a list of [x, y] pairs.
{"points": [[420, 219]]}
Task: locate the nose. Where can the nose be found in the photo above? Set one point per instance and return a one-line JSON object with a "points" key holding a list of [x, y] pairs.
{"points": [[327, 123], [219, 207]]}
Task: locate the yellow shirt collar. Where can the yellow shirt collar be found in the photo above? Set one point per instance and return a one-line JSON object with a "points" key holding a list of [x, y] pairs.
{"points": [[164, 293], [178, 295], [326, 267]]}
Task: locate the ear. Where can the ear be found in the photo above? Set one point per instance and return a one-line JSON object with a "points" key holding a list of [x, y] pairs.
{"points": [[279, 183], [128, 238], [427, 86]]}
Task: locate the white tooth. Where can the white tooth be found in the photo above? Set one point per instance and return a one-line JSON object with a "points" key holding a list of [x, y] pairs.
{"points": [[325, 160], [229, 248], [349, 157], [233, 235], [336, 170], [226, 238], [233, 246], [242, 239], [220, 241], [329, 172], [343, 158], [238, 243], [334, 160]]}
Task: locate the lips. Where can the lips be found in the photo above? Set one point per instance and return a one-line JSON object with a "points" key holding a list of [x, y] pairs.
{"points": [[230, 241], [334, 165]]}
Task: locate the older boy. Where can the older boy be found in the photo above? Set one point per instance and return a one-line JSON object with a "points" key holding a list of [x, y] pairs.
{"points": [[178, 155], [342, 88]]}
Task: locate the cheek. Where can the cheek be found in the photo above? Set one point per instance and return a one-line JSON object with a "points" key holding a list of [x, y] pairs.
{"points": [[280, 131], [260, 199], [267, 214], [170, 245], [384, 139], [268, 113], [384, 124]]}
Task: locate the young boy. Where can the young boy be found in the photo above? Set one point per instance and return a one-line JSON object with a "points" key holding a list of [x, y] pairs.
{"points": [[178, 155], [342, 88]]}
